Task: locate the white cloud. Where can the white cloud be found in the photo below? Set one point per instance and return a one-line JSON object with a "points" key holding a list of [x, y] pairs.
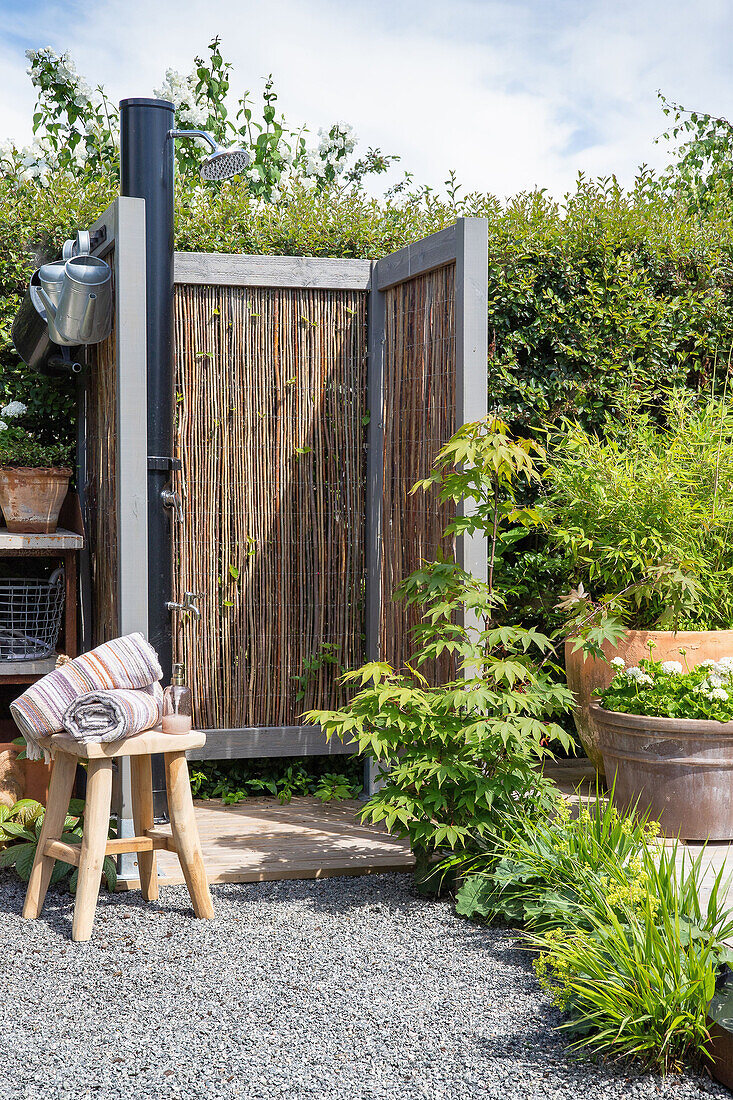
{"points": [[509, 94]]}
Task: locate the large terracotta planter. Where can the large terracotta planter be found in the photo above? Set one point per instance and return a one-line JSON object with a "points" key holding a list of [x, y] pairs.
{"points": [[31, 498], [591, 675], [679, 770]]}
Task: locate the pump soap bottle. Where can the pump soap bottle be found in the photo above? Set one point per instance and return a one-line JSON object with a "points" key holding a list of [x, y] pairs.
{"points": [[177, 704]]}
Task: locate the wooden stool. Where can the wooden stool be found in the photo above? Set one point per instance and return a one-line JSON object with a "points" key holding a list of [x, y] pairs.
{"points": [[89, 855]]}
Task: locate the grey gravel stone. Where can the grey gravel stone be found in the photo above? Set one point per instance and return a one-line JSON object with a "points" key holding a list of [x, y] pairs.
{"points": [[325, 990]]}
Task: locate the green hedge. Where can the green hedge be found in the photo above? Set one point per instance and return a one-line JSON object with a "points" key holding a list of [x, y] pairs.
{"points": [[605, 291]]}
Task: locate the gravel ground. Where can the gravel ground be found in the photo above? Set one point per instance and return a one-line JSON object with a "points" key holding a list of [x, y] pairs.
{"points": [[346, 987]]}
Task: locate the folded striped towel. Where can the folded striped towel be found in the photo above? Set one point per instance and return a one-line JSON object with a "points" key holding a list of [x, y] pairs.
{"points": [[129, 662], [112, 715]]}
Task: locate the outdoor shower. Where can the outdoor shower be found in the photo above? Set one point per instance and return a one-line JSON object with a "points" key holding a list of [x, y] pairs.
{"points": [[147, 138]]}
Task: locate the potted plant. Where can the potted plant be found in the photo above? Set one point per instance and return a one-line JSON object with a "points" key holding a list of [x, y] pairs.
{"points": [[643, 515], [666, 734], [34, 477]]}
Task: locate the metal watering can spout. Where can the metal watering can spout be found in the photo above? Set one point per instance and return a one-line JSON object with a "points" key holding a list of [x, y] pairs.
{"points": [[86, 327], [48, 304]]}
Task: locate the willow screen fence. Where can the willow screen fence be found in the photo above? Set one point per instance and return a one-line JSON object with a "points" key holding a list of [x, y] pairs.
{"points": [[310, 395]]}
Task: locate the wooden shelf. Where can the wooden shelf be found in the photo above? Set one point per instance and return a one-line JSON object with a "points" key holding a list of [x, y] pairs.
{"points": [[23, 672], [60, 540]]}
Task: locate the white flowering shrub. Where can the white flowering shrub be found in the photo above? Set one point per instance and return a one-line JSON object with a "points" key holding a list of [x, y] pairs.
{"points": [[76, 129], [667, 689]]}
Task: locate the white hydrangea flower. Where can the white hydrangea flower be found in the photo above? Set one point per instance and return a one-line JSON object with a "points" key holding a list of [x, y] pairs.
{"points": [[714, 680], [634, 672], [673, 668], [644, 680], [707, 664], [618, 662], [13, 409], [719, 693], [726, 663]]}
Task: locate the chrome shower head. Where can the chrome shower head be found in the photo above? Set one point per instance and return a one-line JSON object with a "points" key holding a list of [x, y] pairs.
{"points": [[221, 164]]}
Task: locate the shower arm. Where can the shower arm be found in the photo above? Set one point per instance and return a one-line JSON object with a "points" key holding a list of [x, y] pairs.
{"points": [[203, 134]]}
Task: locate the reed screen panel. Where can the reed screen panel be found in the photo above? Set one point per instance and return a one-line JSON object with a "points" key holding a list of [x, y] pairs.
{"points": [[419, 418], [270, 429], [101, 486]]}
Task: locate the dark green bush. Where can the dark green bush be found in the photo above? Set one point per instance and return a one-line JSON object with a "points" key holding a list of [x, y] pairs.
{"points": [[605, 291]]}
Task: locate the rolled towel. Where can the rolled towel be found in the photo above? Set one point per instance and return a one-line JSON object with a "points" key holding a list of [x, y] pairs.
{"points": [[129, 662], [112, 715]]}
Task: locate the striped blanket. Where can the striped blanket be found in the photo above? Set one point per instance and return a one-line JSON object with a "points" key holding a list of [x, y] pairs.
{"points": [[112, 715], [129, 662]]}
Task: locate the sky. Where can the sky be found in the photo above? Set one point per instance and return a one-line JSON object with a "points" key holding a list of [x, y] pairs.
{"points": [[510, 94]]}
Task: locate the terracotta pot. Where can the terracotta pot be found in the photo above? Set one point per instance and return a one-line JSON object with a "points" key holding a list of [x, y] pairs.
{"points": [[12, 779], [31, 499], [586, 677], [37, 777], [679, 769]]}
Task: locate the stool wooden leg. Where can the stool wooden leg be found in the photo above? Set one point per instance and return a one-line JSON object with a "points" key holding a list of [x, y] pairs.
{"points": [[142, 813], [93, 845], [185, 832], [59, 794]]}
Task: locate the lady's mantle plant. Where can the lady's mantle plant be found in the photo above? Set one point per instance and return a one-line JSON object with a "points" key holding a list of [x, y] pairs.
{"points": [[20, 447], [665, 689], [458, 758]]}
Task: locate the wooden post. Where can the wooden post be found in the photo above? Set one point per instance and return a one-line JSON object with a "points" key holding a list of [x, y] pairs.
{"points": [[132, 455], [374, 489], [472, 353]]}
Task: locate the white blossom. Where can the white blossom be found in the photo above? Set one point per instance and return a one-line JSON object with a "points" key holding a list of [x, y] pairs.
{"points": [[618, 662], [13, 409], [673, 668], [181, 91], [3, 425], [719, 693]]}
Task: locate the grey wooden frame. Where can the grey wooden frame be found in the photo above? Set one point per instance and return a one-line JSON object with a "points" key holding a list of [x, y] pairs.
{"points": [[309, 272], [124, 222], [466, 244]]}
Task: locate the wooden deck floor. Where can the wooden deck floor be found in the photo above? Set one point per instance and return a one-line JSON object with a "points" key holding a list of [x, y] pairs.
{"points": [[259, 840]]}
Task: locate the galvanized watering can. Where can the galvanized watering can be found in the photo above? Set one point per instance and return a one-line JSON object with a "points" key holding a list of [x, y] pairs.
{"points": [[77, 298]]}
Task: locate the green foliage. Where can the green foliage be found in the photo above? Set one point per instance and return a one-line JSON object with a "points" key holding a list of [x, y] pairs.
{"points": [[702, 167], [643, 513], [19, 447], [233, 781], [637, 983], [458, 758], [326, 654], [77, 129], [20, 830], [666, 690], [545, 870], [625, 947]]}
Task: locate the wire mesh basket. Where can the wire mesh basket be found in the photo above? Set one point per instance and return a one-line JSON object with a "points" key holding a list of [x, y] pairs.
{"points": [[30, 616]]}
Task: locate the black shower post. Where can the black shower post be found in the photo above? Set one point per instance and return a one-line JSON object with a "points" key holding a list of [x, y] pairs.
{"points": [[146, 159]]}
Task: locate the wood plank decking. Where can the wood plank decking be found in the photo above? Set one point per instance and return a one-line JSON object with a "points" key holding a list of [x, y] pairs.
{"points": [[260, 840]]}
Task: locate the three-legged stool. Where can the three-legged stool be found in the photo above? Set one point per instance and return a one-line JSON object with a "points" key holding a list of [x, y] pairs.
{"points": [[89, 855]]}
